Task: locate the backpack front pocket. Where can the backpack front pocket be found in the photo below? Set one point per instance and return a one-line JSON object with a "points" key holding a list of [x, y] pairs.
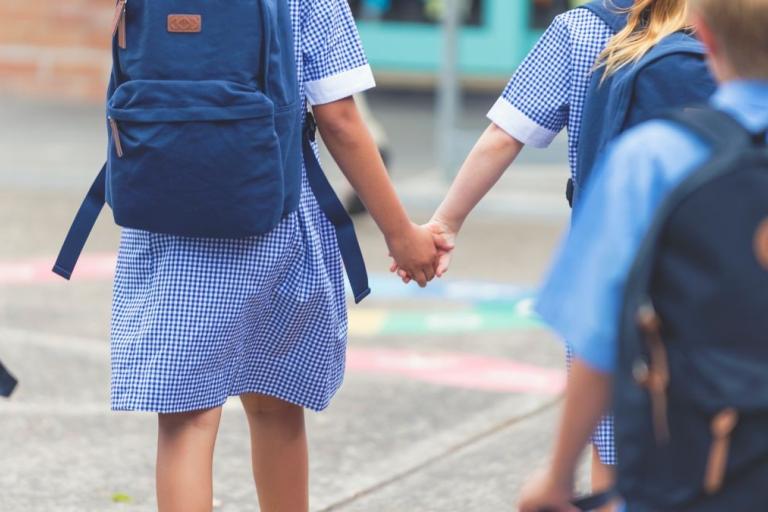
{"points": [[198, 159]]}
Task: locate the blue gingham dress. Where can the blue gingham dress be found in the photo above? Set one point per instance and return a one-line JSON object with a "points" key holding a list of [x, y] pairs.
{"points": [[195, 321], [547, 94]]}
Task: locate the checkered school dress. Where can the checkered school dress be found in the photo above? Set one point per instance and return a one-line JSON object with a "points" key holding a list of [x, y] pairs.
{"points": [[195, 321], [546, 95]]}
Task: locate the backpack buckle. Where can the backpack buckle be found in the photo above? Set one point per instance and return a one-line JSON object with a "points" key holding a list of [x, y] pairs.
{"points": [[310, 127]]}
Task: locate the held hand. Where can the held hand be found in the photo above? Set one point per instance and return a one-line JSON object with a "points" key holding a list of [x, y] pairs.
{"points": [[414, 253], [543, 494], [445, 242]]}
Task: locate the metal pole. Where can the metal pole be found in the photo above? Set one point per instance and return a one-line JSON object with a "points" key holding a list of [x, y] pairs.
{"points": [[448, 90]]}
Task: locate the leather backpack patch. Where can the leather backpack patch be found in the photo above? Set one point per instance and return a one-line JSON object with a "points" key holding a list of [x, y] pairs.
{"points": [[761, 244], [185, 23]]}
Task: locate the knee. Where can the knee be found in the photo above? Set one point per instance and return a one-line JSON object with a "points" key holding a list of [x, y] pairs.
{"points": [[206, 420], [261, 405]]}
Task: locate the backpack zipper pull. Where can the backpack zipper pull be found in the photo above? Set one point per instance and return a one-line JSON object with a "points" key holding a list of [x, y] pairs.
{"points": [[655, 376], [118, 23], [722, 427], [116, 137]]}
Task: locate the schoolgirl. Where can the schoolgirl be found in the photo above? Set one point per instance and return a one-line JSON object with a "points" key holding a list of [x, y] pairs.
{"points": [[554, 89], [196, 321], [545, 96]]}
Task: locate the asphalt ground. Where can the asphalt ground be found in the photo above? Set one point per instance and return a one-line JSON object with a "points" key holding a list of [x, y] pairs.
{"points": [[451, 393]]}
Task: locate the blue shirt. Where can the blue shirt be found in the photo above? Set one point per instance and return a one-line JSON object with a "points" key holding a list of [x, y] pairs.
{"points": [[582, 297]]}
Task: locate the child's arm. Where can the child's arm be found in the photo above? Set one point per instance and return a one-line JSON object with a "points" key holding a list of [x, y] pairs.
{"points": [[587, 398], [351, 145], [493, 153], [530, 112]]}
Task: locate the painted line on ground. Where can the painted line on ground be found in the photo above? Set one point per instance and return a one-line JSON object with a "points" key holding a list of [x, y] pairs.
{"points": [[458, 370], [90, 267], [369, 322]]}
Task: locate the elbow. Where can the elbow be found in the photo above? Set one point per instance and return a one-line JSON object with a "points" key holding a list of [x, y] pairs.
{"points": [[498, 141], [501, 140]]}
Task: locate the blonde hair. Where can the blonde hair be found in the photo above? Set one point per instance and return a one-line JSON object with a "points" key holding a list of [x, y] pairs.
{"points": [[649, 22], [741, 29]]}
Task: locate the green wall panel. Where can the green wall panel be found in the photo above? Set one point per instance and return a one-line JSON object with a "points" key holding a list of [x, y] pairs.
{"points": [[492, 50]]}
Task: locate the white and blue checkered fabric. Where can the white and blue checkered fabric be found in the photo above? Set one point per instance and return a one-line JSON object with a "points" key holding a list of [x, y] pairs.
{"points": [[550, 89], [195, 321], [603, 436], [550, 86]]}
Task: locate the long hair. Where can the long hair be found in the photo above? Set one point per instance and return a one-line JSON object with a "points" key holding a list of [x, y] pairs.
{"points": [[649, 22]]}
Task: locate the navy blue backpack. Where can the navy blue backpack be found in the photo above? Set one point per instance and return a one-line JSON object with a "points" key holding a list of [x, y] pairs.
{"points": [[691, 387], [205, 128], [673, 74]]}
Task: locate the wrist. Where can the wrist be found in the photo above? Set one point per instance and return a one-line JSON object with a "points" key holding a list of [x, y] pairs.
{"points": [[447, 223], [398, 231], [561, 478]]}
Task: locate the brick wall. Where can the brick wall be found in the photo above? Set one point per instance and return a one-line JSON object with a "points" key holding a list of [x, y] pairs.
{"points": [[55, 48]]}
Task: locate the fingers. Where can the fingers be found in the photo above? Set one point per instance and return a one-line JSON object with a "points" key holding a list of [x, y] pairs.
{"points": [[429, 272], [420, 278], [443, 262], [442, 243], [443, 246]]}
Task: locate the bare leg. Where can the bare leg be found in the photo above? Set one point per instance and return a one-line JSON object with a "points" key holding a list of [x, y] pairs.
{"points": [[279, 453], [185, 460], [603, 478]]}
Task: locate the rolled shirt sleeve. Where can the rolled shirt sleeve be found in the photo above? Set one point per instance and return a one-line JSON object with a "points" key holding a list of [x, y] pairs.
{"points": [[534, 106], [335, 64]]}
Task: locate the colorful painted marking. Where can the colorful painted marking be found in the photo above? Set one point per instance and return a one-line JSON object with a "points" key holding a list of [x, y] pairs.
{"points": [[91, 267], [457, 370], [483, 318], [491, 307]]}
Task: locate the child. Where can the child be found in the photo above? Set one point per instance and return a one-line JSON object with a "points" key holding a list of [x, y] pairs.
{"points": [[582, 297], [198, 320], [547, 94], [544, 96]]}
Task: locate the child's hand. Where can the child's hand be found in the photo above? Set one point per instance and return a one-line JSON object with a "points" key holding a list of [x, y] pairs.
{"points": [[444, 239], [544, 494], [445, 242], [414, 253]]}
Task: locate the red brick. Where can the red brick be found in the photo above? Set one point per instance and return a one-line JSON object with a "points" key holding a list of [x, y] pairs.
{"points": [[35, 33]]}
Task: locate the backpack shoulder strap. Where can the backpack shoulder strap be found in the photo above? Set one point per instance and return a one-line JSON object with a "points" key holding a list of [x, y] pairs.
{"points": [[612, 12], [668, 51], [718, 129], [82, 226], [329, 203]]}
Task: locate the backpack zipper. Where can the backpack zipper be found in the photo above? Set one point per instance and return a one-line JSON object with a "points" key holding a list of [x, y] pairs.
{"points": [[116, 137], [118, 23]]}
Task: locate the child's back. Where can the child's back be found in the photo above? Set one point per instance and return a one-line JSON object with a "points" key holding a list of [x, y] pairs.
{"points": [[198, 320]]}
